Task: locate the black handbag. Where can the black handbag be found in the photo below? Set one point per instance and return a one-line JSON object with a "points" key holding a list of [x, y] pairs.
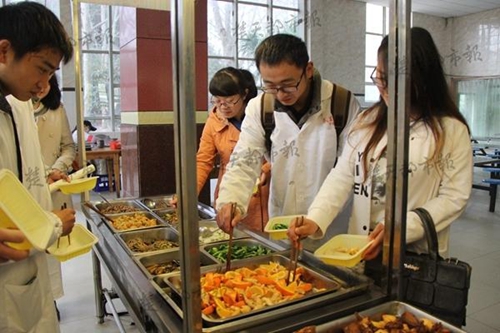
{"points": [[437, 286]]}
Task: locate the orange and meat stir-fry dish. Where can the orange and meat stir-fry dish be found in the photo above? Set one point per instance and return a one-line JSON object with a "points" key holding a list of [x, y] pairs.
{"points": [[243, 290]]}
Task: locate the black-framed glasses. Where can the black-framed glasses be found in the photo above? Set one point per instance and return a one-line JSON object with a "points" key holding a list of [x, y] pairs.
{"points": [[380, 82], [220, 102], [285, 89]]}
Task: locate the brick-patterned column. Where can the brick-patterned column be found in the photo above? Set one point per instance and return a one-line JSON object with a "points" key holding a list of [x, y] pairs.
{"points": [[146, 98]]}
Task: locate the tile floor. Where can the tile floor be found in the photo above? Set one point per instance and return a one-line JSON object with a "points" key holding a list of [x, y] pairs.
{"points": [[475, 239]]}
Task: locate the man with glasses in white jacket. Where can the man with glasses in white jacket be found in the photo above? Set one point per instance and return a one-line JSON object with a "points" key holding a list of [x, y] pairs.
{"points": [[303, 142]]}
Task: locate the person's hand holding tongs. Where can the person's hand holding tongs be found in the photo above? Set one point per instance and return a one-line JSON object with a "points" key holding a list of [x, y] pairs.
{"points": [[295, 250], [230, 244]]}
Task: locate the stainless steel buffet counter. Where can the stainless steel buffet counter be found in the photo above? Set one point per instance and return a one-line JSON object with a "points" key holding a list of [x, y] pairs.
{"points": [[153, 310]]}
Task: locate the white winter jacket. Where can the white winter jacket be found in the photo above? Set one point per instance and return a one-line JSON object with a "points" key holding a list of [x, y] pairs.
{"points": [[443, 188], [27, 303], [58, 147], [300, 158]]}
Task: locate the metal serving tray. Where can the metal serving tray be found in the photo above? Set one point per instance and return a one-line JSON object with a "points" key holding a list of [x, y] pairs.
{"points": [[165, 257], [149, 235], [318, 280], [161, 202], [375, 313], [165, 291], [159, 223], [163, 214], [204, 212], [211, 225], [238, 242], [131, 204]]}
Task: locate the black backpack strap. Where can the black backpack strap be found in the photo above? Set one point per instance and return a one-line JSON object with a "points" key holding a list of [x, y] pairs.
{"points": [[339, 107], [267, 118]]}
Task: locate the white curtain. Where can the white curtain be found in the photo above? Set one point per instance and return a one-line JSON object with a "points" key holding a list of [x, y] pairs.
{"points": [[479, 102]]}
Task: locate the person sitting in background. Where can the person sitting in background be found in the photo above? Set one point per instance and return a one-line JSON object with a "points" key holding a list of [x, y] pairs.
{"points": [[231, 89], [58, 153], [87, 128], [32, 44], [439, 158]]}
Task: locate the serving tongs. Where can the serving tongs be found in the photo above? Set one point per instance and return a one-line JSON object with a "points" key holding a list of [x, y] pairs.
{"points": [[230, 244], [294, 254], [91, 207], [64, 206]]}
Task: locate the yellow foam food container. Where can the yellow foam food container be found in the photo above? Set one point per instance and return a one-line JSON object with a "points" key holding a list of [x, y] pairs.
{"points": [[19, 210], [343, 250], [278, 234], [78, 185], [81, 241]]}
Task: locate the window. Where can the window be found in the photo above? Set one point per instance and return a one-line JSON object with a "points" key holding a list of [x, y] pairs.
{"points": [[377, 26], [479, 102], [99, 43], [235, 28]]}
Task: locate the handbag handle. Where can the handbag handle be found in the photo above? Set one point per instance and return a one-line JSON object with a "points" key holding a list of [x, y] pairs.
{"points": [[430, 231]]}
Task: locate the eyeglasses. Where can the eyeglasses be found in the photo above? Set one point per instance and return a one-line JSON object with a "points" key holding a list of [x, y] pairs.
{"points": [[220, 102], [380, 82], [285, 89]]}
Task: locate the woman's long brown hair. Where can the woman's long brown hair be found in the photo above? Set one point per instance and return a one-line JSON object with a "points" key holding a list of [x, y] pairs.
{"points": [[430, 97]]}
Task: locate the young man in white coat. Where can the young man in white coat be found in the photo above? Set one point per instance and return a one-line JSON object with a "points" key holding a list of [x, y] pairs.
{"points": [[32, 44], [303, 142]]}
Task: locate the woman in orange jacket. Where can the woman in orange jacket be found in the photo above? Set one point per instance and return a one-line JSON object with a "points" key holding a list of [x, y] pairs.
{"points": [[231, 90]]}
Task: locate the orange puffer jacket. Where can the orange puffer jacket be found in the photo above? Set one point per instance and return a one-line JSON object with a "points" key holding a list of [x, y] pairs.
{"points": [[219, 137]]}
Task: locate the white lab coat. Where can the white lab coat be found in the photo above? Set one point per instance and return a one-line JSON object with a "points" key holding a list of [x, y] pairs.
{"points": [[58, 152], [27, 303], [301, 158], [442, 188]]}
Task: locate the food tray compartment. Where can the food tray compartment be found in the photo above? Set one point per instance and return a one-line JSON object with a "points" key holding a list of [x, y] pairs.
{"points": [[149, 236], [393, 308], [115, 207], [254, 249], [134, 217], [211, 233], [166, 257], [169, 215], [160, 202], [165, 292], [319, 281]]}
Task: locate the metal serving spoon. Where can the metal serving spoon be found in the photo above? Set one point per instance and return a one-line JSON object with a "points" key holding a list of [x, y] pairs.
{"points": [[149, 203]]}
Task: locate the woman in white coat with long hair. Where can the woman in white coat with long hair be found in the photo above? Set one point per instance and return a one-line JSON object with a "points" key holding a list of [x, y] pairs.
{"points": [[440, 159], [58, 153]]}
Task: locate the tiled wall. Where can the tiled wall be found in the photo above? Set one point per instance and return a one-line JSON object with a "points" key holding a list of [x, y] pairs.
{"points": [[469, 45], [337, 35], [476, 43]]}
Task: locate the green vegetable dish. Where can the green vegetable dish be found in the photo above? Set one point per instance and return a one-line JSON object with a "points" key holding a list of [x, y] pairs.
{"points": [[280, 226], [238, 252]]}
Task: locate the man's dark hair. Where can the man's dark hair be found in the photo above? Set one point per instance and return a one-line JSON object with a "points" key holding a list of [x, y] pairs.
{"points": [[282, 48], [53, 99], [31, 27]]}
